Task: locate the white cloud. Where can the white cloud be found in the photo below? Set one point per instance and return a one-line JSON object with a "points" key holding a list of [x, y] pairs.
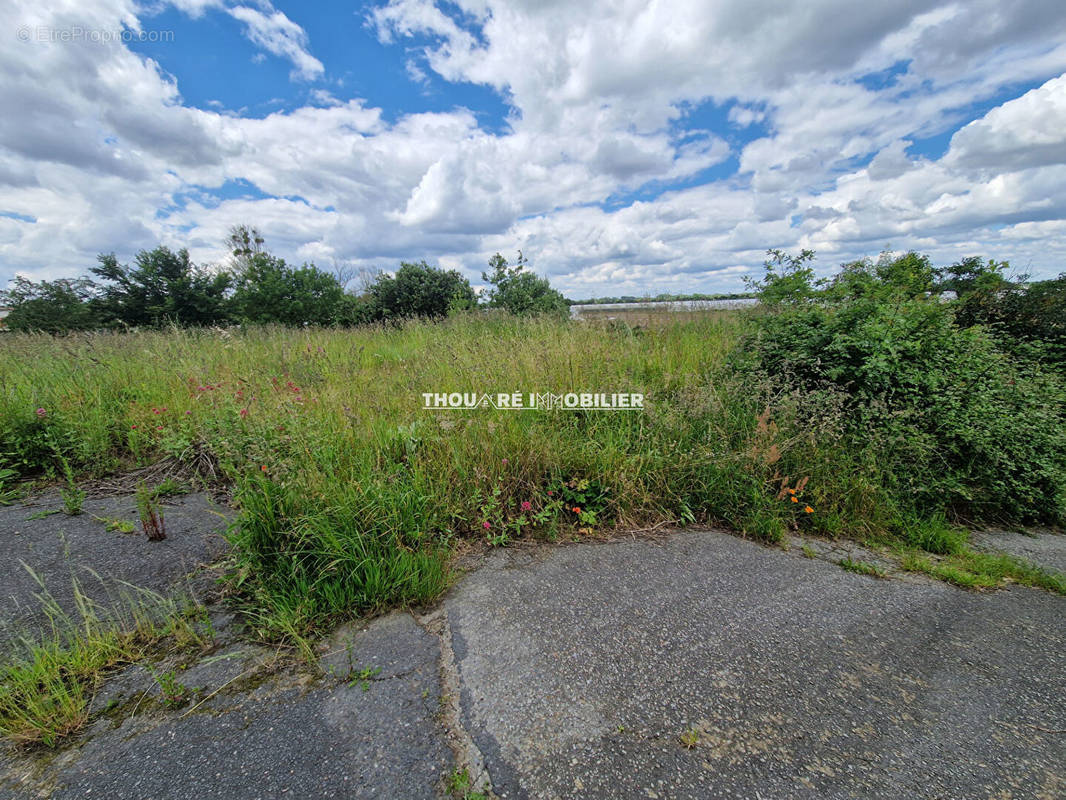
{"points": [[277, 34], [104, 155]]}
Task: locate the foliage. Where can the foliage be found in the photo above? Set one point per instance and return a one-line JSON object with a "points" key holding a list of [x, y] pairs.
{"points": [[951, 421], [788, 280], [51, 306], [268, 290], [520, 291], [1027, 319], [863, 411], [419, 290], [162, 287]]}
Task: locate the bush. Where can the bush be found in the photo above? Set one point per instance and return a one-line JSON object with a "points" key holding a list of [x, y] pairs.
{"points": [[419, 290], [953, 422], [521, 292]]}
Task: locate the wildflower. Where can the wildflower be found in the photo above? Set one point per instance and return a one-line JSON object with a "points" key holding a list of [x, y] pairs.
{"points": [[159, 427], [263, 468], [505, 462], [793, 499], [791, 491], [486, 525], [133, 427], [550, 493], [155, 410], [577, 509], [41, 413], [187, 413], [526, 505], [808, 509], [244, 412]]}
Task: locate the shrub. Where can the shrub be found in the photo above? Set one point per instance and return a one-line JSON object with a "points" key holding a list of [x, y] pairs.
{"points": [[954, 422], [520, 291], [419, 290]]}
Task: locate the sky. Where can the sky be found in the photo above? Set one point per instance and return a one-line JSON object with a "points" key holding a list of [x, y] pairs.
{"points": [[624, 147]]}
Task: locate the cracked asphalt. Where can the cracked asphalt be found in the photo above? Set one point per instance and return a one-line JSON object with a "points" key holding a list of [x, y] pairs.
{"points": [[693, 665]]}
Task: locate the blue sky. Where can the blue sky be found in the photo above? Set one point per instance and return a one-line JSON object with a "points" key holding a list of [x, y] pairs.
{"points": [[623, 147]]}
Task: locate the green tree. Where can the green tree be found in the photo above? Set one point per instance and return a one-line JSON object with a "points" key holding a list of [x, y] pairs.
{"points": [[789, 279], [162, 286], [270, 291], [520, 291], [419, 290], [51, 306]]}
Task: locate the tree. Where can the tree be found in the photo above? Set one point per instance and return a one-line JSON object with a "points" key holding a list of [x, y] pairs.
{"points": [[419, 290], [51, 306], [269, 290], [789, 279], [162, 287], [520, 291], [244, 242], [973, 274]]}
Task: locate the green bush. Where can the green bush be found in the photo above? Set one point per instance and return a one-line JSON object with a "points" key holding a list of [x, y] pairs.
{"points": [[953, 422]]}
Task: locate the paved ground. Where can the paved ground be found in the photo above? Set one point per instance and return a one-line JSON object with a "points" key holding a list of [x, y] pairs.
{"points": [[1041, 546], [61, 549], [790, 677], [697, 665]]}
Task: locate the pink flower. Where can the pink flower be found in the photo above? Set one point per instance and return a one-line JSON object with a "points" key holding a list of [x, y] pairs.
{"points": [[505, 462], [485, 525], [244, 412], [41, 413], [526, 505], [187, 413]]}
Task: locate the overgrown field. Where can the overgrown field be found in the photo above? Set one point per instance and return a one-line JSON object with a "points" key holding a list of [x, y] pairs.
{"points": [[352, 497]]}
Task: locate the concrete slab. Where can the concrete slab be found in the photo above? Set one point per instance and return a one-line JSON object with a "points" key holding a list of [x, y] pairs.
{"points": [[706, 666]]}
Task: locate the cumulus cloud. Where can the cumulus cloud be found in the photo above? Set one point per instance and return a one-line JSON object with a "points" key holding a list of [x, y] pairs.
{"points": [[596, 174], [277, 34]]}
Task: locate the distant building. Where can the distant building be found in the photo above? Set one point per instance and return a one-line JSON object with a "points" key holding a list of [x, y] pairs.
{"points": [[4, 311]]}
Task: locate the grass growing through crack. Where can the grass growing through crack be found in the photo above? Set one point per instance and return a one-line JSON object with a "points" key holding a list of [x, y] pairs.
{"points": [[973, 569], [862, 568], [47, 684]]}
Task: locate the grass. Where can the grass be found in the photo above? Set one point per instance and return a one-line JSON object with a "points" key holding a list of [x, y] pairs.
{"points": [[47, 685], [974, 569], [115, 525], [352, 498], [862, 568]]}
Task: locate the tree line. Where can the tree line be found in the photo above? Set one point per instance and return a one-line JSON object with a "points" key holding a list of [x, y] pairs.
{"points": [[163, 287]]}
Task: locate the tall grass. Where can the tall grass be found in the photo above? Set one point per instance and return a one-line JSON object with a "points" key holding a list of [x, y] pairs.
{"points": [[47, 682], [351, 496]]}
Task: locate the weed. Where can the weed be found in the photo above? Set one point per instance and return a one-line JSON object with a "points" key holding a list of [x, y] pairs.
{"points": [[173, 692], [362, 677], [459, 781], [690, 738], [72, 496], [151, 514], [47, 684], [115, 525], [48, 512], [7, 496], [809, 552], [862, 567], [974, 569]]}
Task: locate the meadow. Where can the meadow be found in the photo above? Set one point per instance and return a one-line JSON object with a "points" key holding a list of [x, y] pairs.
{"points": [[352, 498]]}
